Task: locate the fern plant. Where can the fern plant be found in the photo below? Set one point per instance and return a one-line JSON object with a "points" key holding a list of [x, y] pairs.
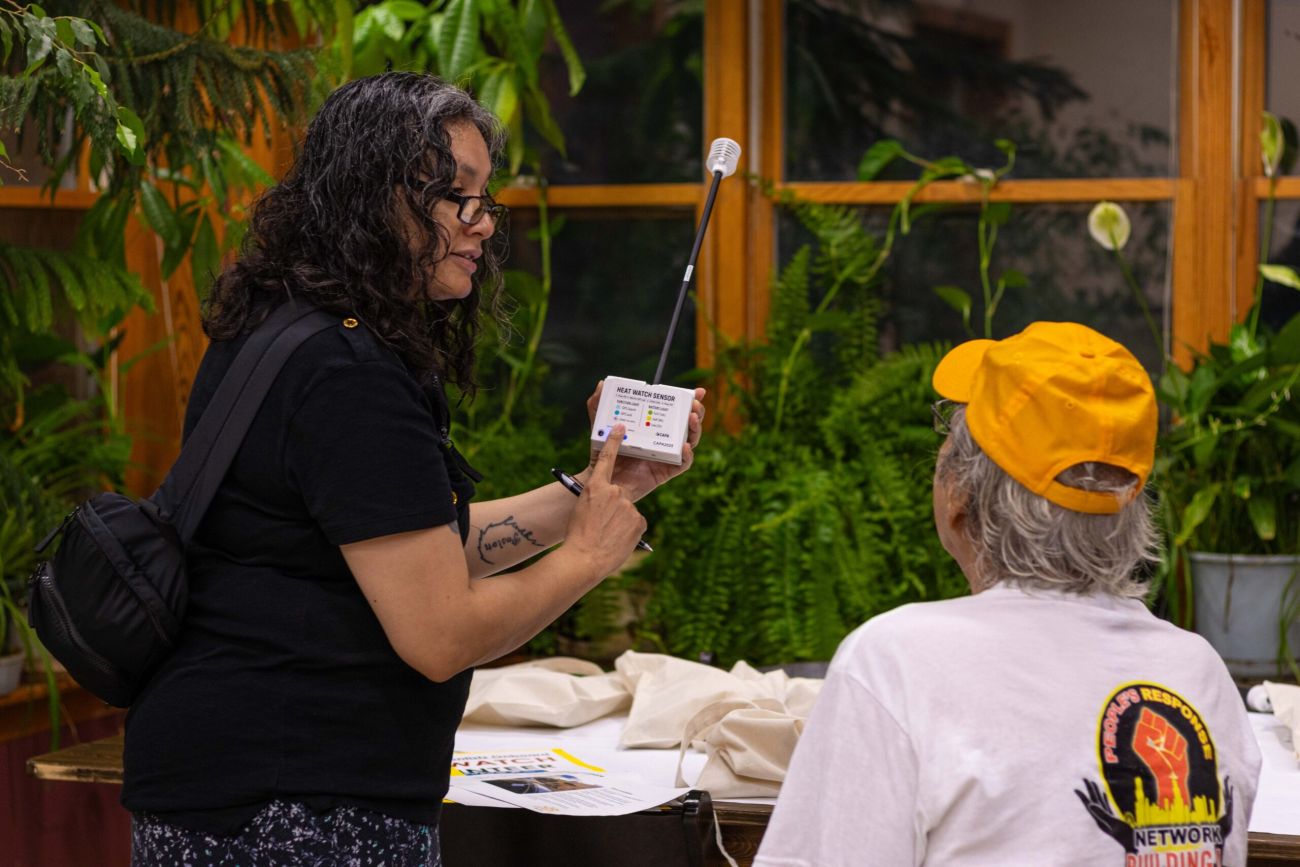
{"points": [[816, 515]]}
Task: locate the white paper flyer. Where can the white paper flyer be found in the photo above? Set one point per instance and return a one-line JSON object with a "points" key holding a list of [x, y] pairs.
{"points": [[551, 781]]}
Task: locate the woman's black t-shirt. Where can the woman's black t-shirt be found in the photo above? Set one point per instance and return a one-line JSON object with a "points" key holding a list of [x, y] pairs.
{"points": [[283, 684]]}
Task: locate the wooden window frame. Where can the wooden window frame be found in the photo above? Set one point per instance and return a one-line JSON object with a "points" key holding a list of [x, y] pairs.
{"points": [[1214, 196]]}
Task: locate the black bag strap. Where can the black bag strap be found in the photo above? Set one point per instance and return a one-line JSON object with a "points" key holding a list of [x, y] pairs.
{"points": [[185, 494], [437, 395]]}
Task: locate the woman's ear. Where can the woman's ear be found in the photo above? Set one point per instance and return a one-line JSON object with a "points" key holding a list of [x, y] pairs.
{"points": [[957, 510]]}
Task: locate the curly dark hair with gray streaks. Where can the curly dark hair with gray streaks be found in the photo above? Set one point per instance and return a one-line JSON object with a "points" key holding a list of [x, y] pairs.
{"points": [[336, 232]]}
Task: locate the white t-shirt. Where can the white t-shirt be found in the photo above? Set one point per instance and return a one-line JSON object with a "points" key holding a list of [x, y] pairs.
{"points": [[1016, 727]]}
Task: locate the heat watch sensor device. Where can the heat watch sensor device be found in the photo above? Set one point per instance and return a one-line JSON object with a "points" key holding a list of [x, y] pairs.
{"points": [[655, 418], [656, 415]]}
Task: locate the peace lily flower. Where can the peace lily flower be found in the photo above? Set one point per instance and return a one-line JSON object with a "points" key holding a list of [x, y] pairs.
{"points": [[1272, 143], [1109, 226], [976, 176]]}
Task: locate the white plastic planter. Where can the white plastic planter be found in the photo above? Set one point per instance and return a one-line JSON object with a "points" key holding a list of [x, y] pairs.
{"points": [[11, 672], [1240, 601]]}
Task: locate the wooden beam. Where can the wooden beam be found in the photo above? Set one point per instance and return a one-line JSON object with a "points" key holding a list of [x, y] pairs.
{"points": [[761, 235], [39, 197], [1070, 190], [1287, 188], [1183, 299], [606, 196], [170, 343], [770, 163], [723, 280], [1205, 263], [1254, 60]]}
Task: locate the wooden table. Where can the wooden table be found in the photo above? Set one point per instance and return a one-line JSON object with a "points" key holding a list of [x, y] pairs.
{"points": [[742, 824]]}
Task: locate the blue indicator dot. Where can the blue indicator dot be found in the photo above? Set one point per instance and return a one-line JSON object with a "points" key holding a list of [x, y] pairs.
{"points": [[624, 436], [600, 433], [615, 412]]}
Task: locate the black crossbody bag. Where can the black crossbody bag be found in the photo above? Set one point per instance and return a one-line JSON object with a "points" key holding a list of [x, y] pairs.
{"points": [[108, 604]]}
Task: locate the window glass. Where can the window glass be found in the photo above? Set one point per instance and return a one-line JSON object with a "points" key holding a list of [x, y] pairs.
{"points": [[1281, 96], [1084, 89], [615, 281], [24, 156], [1068, 276], [639, 116], [1282, 302]]}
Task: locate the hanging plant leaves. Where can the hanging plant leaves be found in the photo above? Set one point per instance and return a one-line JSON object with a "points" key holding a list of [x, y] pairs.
{"points": [[158, 215], [458, 43], [205, 258], [877, 158]]}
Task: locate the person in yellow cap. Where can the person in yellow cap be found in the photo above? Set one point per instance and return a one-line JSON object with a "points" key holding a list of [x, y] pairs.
{"points": [[1048, 718]]}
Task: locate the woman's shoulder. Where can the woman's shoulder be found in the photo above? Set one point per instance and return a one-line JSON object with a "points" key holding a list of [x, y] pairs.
{"points": [[348, 343], [347, 356]]}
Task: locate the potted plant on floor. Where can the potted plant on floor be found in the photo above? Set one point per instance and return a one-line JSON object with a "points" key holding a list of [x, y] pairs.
{"points": [[1229, 480], [1228, 466]]}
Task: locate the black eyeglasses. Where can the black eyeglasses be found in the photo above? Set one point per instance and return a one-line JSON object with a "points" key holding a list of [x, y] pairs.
{"points": [[472, 209], [942, 411]]}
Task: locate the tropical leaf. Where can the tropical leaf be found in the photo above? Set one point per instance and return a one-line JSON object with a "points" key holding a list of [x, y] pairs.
{"points": [[458, 44], [1196, 512], [158, 215], [577, 75], [205, 258], [1281, 274], [878, 157]]}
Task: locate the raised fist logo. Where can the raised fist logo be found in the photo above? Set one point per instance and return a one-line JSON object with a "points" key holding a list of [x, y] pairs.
{"points": [[1164, 751]]}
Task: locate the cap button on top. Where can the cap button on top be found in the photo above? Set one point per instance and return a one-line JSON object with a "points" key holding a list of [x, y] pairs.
{"points": [[350, 323]]}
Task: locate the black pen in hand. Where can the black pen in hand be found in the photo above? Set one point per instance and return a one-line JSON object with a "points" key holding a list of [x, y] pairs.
{"points": [[573, 486]]}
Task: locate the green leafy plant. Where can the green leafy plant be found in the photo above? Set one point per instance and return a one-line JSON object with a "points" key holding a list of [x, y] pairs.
{"points": [[815, 515], [993, 215], [1229, 471], [177, 162], [153, 115], [493, 48], [1228, 463], [64, 449]]}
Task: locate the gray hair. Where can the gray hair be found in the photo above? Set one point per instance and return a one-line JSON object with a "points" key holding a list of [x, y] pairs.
{"points": [[1023, 539]]}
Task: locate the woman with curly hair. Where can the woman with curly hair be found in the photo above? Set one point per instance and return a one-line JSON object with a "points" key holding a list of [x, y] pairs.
{"points": [[308, 712]]}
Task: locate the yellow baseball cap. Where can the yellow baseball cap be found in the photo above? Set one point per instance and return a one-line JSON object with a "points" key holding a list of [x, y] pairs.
{"points": [[1055, 395]]}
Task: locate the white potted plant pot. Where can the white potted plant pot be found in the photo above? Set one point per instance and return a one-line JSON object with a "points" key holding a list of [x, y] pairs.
{"points": [[1241, 600], [11, 672], [12, 658]]}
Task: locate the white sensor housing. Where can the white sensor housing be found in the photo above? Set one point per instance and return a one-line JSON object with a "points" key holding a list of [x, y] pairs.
{"points": [[655, 417]]}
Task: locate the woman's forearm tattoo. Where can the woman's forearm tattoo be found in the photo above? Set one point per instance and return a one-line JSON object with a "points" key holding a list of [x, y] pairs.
{"points": [[503, 534]]}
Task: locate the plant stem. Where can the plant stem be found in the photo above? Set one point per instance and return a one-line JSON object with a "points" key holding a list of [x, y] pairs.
{"points": [[520, 377], [1140, 297], [986, 257], [787, 367], [1265, 242]]}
